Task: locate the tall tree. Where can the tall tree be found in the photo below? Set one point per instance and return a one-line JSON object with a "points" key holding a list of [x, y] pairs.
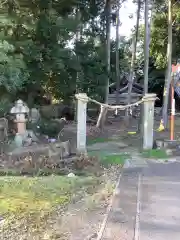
{"points": [[146, 46], [117, 51], [37, 39], [103, 112], [169, 62], [78, 40], [108, 46], [133, 56]]}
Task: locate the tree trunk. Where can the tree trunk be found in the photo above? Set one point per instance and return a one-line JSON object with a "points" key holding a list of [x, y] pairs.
{"points": [[137, 26], [168, 71], [147, 39], [103, 112], [133, 58], [78, 38], [146, 59], [151, 19], [117, 52], [108, 46], [146, 47]]}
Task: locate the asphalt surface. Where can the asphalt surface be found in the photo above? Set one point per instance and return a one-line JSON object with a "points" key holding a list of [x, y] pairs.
{"points": [[159, 204]]}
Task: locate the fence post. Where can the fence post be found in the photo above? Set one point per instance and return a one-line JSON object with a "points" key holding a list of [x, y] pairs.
{"points": [[148, 120], [82, 100]]}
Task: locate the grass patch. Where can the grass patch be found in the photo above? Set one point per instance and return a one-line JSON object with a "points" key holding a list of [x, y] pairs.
{"points": [[155, 153], [26, 196], [115, 159], [106, 158], [91, 141]]}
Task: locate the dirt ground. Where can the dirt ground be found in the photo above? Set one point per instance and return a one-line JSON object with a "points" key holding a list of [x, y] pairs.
{"points": [[88, 221], [82, 219], [116, 127]]}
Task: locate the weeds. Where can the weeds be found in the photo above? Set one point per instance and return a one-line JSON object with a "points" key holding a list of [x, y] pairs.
{"points": [[155, 153]]}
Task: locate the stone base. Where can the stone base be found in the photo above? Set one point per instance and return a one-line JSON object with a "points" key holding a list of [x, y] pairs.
{"points": [[171, 144], [31, 160], [58, 150], [32, 151], [167, 144], [18, 140], [61, 149]]}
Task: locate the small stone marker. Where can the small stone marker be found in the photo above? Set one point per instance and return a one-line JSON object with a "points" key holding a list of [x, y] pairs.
{"points": [[35, 115]]}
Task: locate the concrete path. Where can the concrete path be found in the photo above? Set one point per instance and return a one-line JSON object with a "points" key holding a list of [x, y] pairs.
{"points": [[120, 225], [157, 187]]}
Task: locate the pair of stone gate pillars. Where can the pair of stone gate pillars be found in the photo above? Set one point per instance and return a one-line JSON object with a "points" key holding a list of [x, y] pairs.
{"points": [[147, 126]]}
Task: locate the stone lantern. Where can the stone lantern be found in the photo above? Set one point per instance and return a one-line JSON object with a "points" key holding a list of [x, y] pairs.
{"points": [[20, 110]]}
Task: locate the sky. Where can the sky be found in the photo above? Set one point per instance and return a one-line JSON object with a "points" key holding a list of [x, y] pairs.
{"points": [[128, 8]]}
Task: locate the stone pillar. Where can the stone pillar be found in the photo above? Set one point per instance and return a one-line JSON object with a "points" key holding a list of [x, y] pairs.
{"points": [[82, 100], [148, 120], [19, 110], [21, 123]]}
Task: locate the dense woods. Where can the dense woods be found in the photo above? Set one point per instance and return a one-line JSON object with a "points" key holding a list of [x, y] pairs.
{"points": [[58, 48]]}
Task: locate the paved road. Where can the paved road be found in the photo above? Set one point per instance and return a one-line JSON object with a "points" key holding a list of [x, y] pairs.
{"points": [[159, 208]]}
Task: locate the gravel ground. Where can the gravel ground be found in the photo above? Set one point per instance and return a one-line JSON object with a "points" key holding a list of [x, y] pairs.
{"points": [[85, 221]]}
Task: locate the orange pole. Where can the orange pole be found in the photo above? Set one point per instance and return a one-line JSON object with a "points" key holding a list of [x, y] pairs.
{"points": [[172, 111]]}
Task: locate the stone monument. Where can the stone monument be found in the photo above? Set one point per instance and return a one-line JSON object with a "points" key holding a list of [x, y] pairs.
{"points": [[34, 115]]}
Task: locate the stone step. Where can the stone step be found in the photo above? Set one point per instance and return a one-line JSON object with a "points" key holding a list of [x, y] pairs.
{"points": [[135, 162]]}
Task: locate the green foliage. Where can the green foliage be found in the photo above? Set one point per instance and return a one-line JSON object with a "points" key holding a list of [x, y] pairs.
{"points": [[5, 106], [50, 128], [13, 71], [39, 48], [159, 33]]}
